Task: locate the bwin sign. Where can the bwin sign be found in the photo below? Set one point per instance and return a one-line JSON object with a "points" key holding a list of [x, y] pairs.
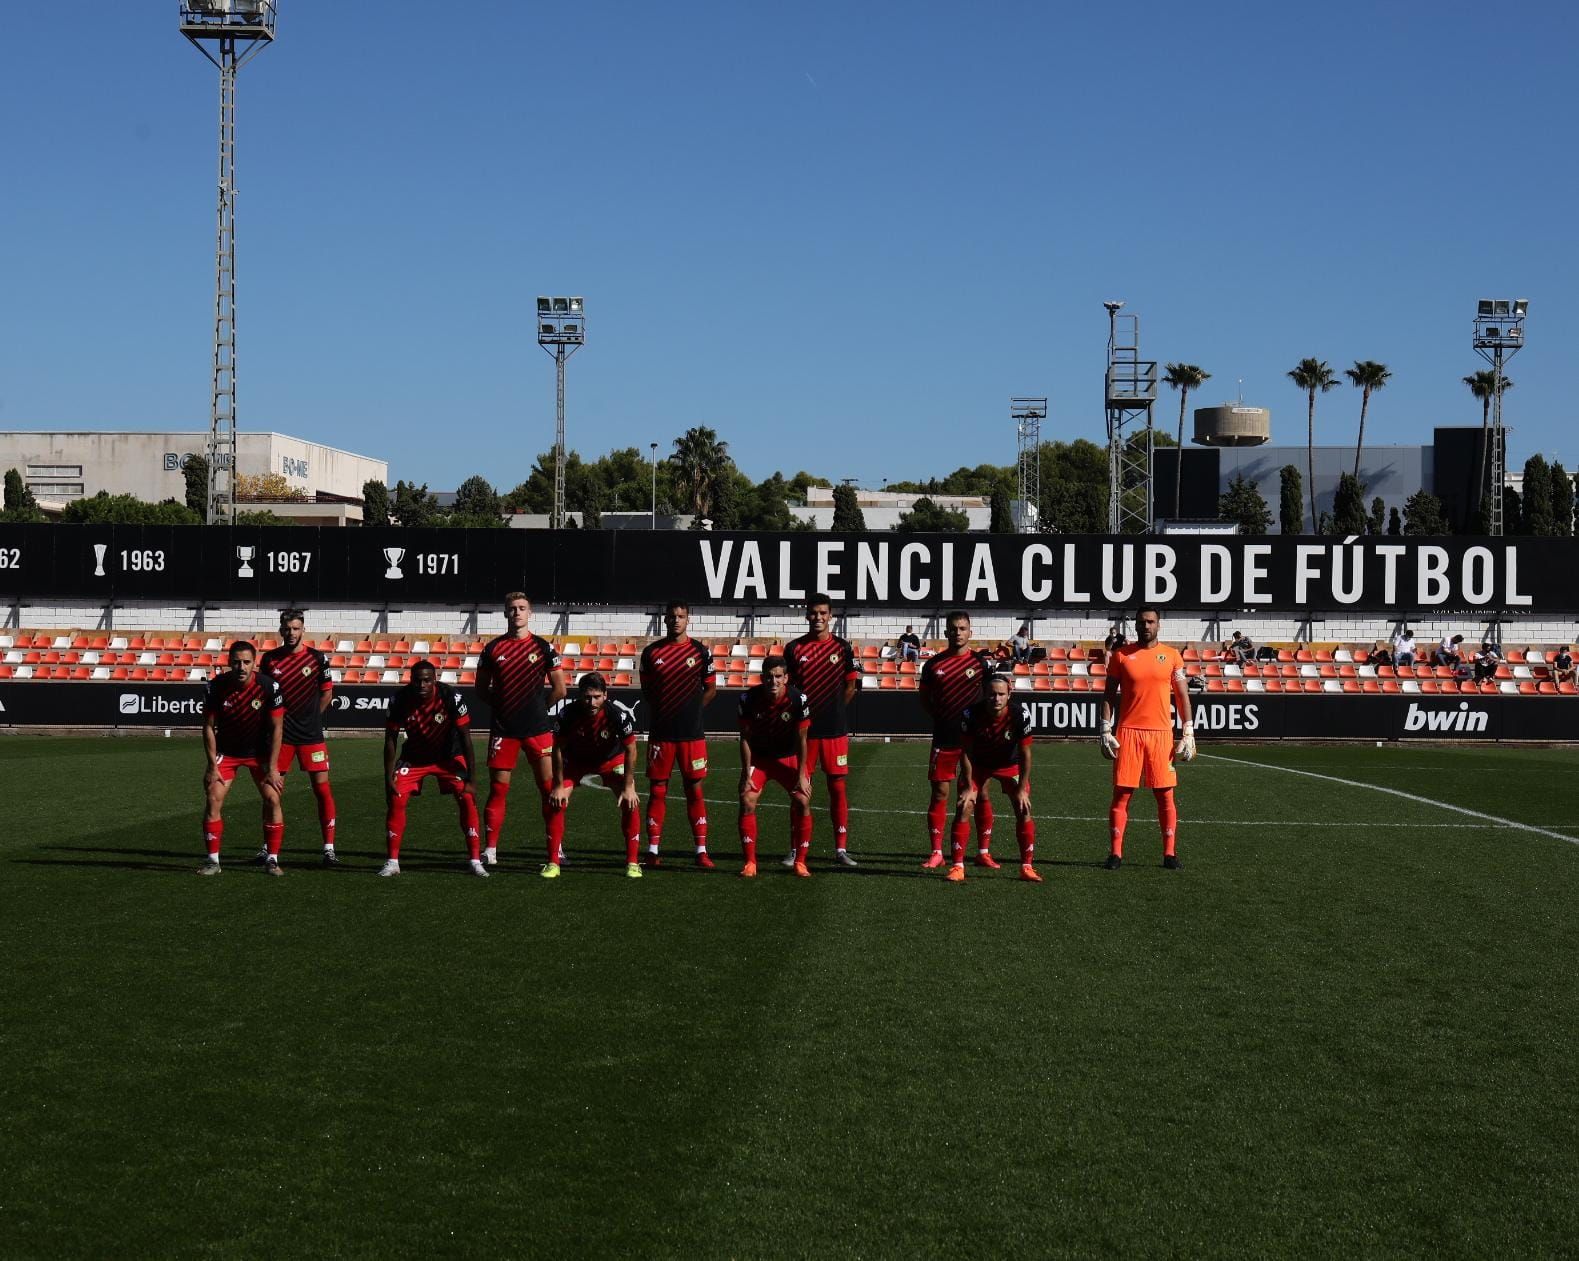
{"points": [[1460, 721]]}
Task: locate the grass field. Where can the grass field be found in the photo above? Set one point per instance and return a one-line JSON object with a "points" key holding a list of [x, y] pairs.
{"points": [[1347, 1026]]}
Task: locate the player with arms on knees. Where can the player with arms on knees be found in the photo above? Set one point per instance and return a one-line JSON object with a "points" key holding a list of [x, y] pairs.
{"points": [[677, 682], [951, 682], [438, 745], [774, 721], [511, 674], [1140, 676], [824, 666], [303, 675], [997, 748], [595, 738], [243, 723]]}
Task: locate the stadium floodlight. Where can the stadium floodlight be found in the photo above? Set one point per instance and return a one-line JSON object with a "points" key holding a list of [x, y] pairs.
{"points": [[654, 447], [560, 338], [1498, 336], [229, 33]]}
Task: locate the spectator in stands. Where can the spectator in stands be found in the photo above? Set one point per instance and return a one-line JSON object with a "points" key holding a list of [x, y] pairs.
{"points": [[1238, 649], [1404, 648], [1448, 652], [1562, 666], [1486, 662], [1381, 654], [1020, 644], [909, 645], [1115, 639]]}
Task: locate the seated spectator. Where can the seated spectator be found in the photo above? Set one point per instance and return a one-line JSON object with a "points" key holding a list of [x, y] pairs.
{"points": [[1448, 652], [909, 645], [1266, 653], [1020, 644], [1486, 662], [1404, 648], [1563, 666], [1238, 649], [1380, 655], [1114, 641]]}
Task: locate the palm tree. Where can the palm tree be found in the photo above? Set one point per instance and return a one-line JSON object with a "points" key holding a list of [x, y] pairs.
{"points": [[1368, 375], [1483, 385], [1312, 375], [1183, 377], [699, 457]]}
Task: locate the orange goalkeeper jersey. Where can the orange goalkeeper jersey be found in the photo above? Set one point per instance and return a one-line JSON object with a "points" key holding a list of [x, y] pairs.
{"points": [[1145, 680]]}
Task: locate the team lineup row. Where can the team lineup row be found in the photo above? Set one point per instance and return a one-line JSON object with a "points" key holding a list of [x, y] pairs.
{"points": [[267, 714]]}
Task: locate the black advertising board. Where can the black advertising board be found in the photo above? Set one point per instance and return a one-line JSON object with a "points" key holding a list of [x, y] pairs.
{"points": [[276, 566], [1243, 716]]}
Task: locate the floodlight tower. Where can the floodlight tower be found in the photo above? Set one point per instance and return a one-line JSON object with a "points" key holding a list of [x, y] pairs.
{"points": [[561, 331], [1129, 390], [1028, 415], [229, 33], [1499, 335]]}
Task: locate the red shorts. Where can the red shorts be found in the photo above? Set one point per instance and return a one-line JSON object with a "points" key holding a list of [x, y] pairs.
{"points": [[831, 753], [690, 755], [1145, 759], [451, 777], [612, 773], [504, 751], [310, 757], [229, 764], [944, 765], [782, 771], [1008, 776]]}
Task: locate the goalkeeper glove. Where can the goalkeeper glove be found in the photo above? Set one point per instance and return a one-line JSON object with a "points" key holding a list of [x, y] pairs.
{"points": [[1109, 741], [1184, 750]]}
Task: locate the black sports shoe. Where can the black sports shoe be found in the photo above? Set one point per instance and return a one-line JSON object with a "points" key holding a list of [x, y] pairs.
{"points": [[1171, 862], [330, 858], [1114, 862]]}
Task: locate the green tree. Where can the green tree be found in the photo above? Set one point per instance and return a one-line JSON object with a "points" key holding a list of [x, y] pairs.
{"points": [[476, 497], [1002, 519], [1562, 501], [260, 516], [1483, 385], [107, 509], [195, 471], [1423, 514], [375, 503], [1348, 506], [1378, 521], [699, 462], [1512, 511], [1183, 377], [1538, 517], [414, 506], [1074, 478], [1395, 525], [927, 518], [20, 505], [804, 481], [1312, 375], [1291, 496], [1242, 502], [1368, 376], [847, 514]]}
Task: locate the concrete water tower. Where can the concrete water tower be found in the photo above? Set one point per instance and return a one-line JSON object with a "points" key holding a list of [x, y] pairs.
{"points": [[1232, 425]]}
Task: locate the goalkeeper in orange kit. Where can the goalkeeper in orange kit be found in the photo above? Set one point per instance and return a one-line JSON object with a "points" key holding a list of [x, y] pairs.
{"points": [[1140, 676]]}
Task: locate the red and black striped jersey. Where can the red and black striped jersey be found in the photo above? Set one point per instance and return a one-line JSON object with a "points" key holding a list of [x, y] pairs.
{"points": [[951, 683], [772, 726], [303, 677], [243, 712], [511, 674], [434, 728], [822, 668], [589, 739], [674, 674], [993, 741]]}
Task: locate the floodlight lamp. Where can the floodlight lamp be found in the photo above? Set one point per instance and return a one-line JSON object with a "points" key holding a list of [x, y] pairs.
{"points": [[1493, 331], [1500, 307], [1483, 307], [544, 306], [1112, 306], [546, 330], [570, 330], [562, 305], [575, 306], [1520, 306]]}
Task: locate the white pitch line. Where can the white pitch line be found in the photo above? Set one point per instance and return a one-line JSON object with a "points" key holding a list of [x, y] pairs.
{"points": [[1496, 820]]}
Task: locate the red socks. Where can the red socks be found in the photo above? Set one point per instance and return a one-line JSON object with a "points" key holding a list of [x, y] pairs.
{"points": [[839, 811], [630, 829], [1025, 834], [273, 837], [395, 823], [696, 812], [800, 831], [325, 811], [1167, 819], [1118, 819], [554, 823], [657, 809], [213, 834], [493, 812], [937, 819], [748, 837], [983, 821], [468, 809], [961, 840]]}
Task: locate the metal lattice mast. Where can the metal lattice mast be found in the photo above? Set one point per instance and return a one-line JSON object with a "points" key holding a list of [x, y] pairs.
{"points": [[1129, 390], [1499, 335], [1028, 415], [237, 30], [561, 331]]}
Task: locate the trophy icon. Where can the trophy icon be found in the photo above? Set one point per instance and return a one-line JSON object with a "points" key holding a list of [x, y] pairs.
{"points": [[393, 555], [245, 555], [98, 558]]}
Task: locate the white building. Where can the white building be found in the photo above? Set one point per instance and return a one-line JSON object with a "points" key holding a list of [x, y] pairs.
{"points": [[61, 465], [881, 509]]}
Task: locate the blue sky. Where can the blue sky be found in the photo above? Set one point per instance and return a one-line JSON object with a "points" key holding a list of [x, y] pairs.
{"points": [[842, 235]]}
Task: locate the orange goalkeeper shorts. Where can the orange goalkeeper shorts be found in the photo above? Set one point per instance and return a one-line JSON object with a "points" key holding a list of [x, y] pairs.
{"points": [[1145, 759]]}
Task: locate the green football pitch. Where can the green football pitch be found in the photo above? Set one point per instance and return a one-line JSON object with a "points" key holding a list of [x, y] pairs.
{"points": [[1348, 1025]]}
